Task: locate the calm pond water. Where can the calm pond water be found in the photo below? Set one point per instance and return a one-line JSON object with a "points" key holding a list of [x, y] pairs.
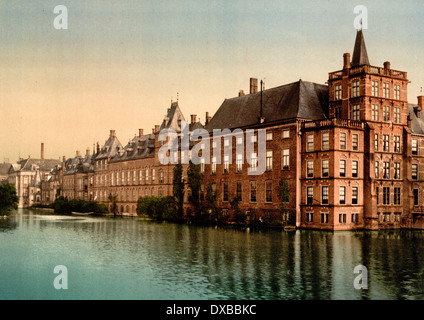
{"points": [[132, 258]]}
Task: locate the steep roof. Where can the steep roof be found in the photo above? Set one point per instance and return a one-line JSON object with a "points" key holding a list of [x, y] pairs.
{"points": [[301, 99], [173, 118], [4, 168], [417, 124], [137, 148], [34, 164], [110, 148], [360, 55]]}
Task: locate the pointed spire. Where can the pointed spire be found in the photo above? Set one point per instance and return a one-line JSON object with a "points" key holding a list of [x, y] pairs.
{"points": [[360, 55]]}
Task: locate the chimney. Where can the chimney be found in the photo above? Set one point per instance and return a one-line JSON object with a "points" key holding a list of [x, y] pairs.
{"points": [[42, 151], [63, 162], [387, 65], [346, 61], [193, 119], [112, 133], [140, 132], [77, 154], [253, 85], [207, 118], [87, 152], [421, 102], [98, 148], [156, 128], [241, 93], [409, 121]]}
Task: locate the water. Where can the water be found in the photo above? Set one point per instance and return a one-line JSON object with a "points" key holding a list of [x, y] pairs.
{"points": [[132, 258]]}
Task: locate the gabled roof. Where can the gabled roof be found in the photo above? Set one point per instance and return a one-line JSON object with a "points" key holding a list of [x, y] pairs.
{"points": [[360, 55], [34, 164], [417, 124], [301, 100], [4, 168], [173, 118], [110, 148], [137, 148]]}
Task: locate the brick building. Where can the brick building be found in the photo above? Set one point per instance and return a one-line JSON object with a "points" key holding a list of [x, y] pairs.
{"points": [[351, 152]]}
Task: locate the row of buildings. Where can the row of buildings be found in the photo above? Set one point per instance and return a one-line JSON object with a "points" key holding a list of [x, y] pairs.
{"points": [[352, 152]]}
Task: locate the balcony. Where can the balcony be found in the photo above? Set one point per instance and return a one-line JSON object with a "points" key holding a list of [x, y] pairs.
{"points": [[370, 70]]}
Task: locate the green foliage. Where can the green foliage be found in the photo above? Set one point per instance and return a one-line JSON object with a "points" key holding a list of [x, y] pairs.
{"points": [[239, 216], [158, 208], [8, 198], [195, 180], [178, 189], [284, 197], [211, 211], [113, 206], [64, 206]]}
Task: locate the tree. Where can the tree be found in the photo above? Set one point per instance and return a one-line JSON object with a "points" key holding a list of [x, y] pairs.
{"points": [[239, 216], [112, 198], [178, 189], [284, 197], [195, 180], [8, 198], [211, 202]]}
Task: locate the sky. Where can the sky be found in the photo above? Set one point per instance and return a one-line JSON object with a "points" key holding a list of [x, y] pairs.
{"points": [[121, 63]]}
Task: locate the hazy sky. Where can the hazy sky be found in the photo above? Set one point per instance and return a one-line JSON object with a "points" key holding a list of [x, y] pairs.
{"points": [[119, 63]]}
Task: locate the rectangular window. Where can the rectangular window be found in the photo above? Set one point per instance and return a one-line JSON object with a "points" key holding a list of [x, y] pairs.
{"points": [[416, 200], [213, 166], [414, 147], [414, 171], [386, 90], [386, 195], [324, 195], [324, 217], [375, 89], [386, 140], [355, 169], [268, 135], [377, 169], [161, 180], [356, 116], [355, 89], [239, 163], [325, 141], [309, 217], [286, 159], [269, 160], [376, 142], [355, 217], [396, 144], [375, 112], [342, 195], [386, 170], [225, 192], [396, 196], [338, 112], [268, 191], [343, 140], [397, 115], [309, 195], [310, 142], [342, 168], [153, 175], [397, 170], [253, 160], [355, 142], [377, 193], [354, 195], [342, 217], [310, 168], [338, 92], [252, 191], [397, 91], [286, 134], [239, 188], [386, 113], [325, 168], [226, 166]]}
